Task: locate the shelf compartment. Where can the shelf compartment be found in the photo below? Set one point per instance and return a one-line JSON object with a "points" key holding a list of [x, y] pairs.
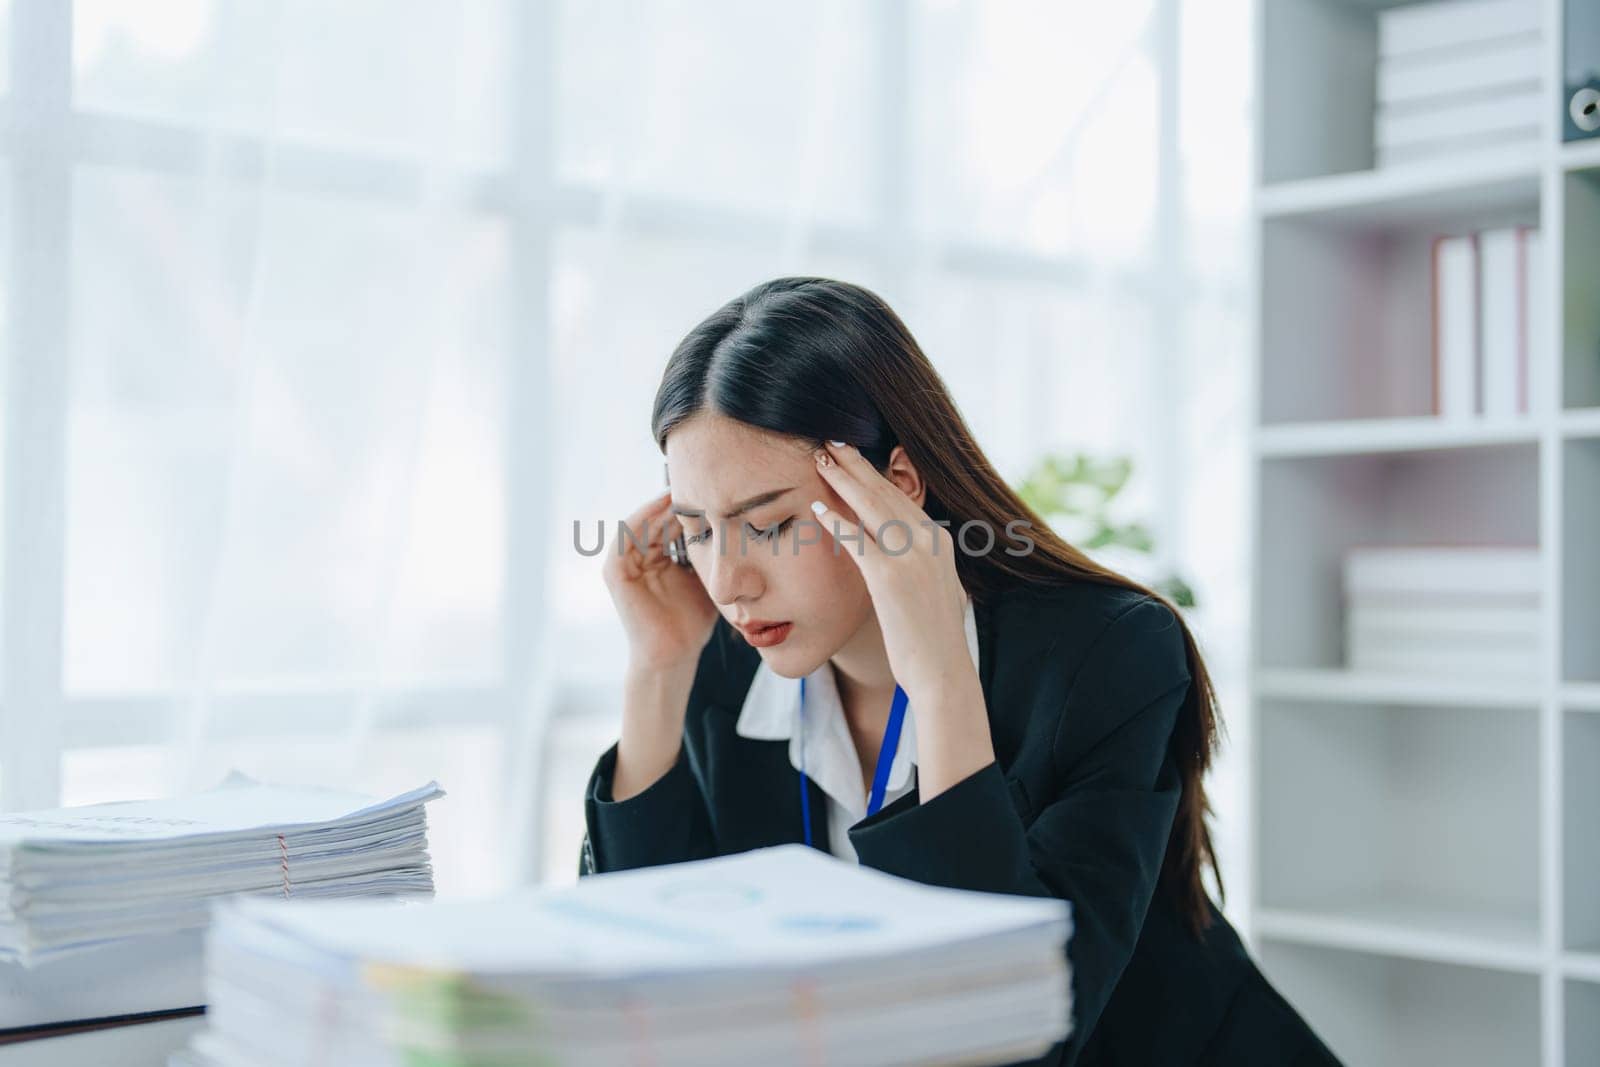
{"points": [[1581, 842], [1583, 1024], [1580, 629], [1580, 306], [1314, 509], [1405, 827], [1379, 1010], [1318, 75], [1347, 306]]}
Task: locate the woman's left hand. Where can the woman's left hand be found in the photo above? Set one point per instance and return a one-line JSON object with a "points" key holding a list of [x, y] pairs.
{"points": [[909, 564]]}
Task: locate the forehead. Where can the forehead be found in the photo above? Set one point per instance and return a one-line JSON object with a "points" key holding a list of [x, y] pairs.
{"points": [[713, 462]]}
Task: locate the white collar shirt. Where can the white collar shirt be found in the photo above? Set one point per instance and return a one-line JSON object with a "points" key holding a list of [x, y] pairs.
{"points": [[771, 712]]}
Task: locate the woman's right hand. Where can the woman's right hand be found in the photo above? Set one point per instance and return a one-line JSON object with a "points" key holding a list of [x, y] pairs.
{"points": [[665, 610]]}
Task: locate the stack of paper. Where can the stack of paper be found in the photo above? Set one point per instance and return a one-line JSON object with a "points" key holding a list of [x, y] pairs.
{"points": [[101, 907], [1458, 76], [777, 956], [1443, 612]]}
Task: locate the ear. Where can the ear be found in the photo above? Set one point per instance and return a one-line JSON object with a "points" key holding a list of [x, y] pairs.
{"points": [[904, 474]]}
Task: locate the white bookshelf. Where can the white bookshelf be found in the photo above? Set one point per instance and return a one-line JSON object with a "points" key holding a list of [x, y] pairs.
{"points": [[1425, 862]]}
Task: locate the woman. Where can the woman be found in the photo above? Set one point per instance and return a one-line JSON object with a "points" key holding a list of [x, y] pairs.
{"points": [[879, 649]]}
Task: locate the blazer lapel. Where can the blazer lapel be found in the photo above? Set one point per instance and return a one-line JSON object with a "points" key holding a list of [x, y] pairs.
{"points": [[754, 791]]}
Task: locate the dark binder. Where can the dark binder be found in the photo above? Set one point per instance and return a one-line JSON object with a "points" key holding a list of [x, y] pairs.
{"points": [[1581, 70]]}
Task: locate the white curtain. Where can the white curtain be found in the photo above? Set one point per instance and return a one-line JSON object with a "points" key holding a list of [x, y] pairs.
{"points": [[354, 308]]}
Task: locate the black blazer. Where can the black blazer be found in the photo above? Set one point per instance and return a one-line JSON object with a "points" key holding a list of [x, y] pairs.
{"points": [[1083, 684]]}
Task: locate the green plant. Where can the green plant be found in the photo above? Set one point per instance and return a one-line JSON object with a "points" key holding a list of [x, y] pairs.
{"points": [[1074, 494]]}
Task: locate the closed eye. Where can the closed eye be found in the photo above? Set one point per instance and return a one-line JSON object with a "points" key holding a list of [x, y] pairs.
{"points": [[762, 534]]}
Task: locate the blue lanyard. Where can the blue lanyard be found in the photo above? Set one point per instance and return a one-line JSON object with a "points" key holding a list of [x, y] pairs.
{"points": [[880, 775]]}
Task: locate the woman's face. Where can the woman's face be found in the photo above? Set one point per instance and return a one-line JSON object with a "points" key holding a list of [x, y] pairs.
{"points": [[732, 485]]}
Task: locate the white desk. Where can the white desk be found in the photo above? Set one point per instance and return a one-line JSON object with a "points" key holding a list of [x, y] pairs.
{"points": [[143, 1045]]}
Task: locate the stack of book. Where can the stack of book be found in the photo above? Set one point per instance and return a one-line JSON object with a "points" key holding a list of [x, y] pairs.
{"points": [[1458, 76], [1443, 612], [1486, 292], [102, 908], [776, 956]]}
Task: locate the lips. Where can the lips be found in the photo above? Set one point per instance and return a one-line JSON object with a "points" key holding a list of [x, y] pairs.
{"points": [[762, 633]]}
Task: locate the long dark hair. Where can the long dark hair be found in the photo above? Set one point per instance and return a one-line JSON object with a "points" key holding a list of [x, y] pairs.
{"points": [[818, 359]]}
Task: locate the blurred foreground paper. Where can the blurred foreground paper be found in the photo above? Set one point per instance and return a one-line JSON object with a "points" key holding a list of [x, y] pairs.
{"points": [[102, 906], [784, 954]]}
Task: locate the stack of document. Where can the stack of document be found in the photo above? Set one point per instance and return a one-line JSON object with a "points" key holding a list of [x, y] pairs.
{"points": [[1457, 76], [777, 956], [1444, 612], [102, 907]]}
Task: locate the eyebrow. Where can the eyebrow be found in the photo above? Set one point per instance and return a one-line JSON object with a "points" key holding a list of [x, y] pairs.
{"points": [[740, 508]]}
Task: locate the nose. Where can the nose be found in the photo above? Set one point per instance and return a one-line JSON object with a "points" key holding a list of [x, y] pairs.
{"points": [[729, 574]]}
